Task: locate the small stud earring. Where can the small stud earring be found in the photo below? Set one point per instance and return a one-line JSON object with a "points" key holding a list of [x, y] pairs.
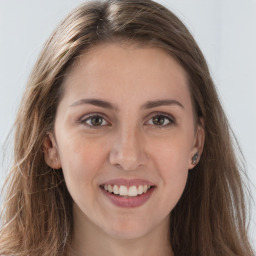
{"points": [[194, 158]]}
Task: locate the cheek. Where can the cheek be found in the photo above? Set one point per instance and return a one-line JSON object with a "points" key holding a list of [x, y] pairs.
{"points": [[171, 154], [171, 161], [174, 173], [81, 162]]}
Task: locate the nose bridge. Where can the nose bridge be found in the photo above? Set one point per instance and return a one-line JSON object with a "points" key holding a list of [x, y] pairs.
{"points": [[128, 149]]}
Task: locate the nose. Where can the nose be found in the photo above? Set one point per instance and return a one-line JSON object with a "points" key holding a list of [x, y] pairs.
{"points": [[128, 150]]}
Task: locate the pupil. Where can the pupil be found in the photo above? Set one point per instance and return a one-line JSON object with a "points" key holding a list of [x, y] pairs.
{"points": [[159, 120], [97, 120]]}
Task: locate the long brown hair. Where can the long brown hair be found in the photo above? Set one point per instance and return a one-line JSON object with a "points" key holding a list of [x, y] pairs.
{"points": [[209, 219]]}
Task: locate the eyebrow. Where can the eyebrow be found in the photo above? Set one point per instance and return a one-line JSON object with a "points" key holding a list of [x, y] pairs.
{"points": [[108, 105], [95, 102], [158, 103]]}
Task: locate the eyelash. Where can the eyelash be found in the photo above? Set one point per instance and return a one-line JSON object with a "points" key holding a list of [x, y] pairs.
{"points": [[168, 117], [84, 120]]}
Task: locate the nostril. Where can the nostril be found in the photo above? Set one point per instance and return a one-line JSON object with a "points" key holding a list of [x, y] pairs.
{"points": [[118, 166]]}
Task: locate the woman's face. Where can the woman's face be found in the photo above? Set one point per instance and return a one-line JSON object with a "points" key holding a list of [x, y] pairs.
{"points": [[125, 124]]}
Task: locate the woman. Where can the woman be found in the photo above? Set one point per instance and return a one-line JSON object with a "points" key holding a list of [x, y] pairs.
{"points": [[121, 144]]}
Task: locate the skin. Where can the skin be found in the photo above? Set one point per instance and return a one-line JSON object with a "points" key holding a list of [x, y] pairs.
{"points": [[128, 144]]}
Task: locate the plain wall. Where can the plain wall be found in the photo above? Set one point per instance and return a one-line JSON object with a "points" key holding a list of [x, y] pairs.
{"points": [[224, 29]]}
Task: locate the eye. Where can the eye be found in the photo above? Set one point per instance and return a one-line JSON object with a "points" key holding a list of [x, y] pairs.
{"points": [[94, 120], [161, 120]]}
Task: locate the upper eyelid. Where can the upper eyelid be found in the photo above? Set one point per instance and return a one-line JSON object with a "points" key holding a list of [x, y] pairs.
{"points": [[84, 117], [104, 116], [162, 114], [151, 115]]}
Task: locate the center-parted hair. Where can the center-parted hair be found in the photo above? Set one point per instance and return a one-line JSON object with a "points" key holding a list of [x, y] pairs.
{"points": [[209, 219]]}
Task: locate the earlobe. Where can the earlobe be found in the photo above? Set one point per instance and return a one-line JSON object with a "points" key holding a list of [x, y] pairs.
{"points": [[195, 158], [198, 146], [51, 155]]}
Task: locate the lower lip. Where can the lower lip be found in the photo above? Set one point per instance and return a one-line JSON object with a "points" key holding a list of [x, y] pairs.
{"points": [[128, 202]]}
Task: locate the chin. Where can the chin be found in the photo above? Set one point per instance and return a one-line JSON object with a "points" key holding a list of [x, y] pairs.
{"points": [[128, 230], [127, 234]]}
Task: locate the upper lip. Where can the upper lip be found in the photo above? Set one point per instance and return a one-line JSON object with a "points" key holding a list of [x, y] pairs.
{"points": [[128, 182]]}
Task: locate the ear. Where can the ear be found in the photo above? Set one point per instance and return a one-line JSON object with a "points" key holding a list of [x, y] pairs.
{"points": [[198, 145], [51, 155]]}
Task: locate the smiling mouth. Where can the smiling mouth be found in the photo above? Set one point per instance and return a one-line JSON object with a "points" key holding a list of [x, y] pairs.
{"points": [[126, 191]]}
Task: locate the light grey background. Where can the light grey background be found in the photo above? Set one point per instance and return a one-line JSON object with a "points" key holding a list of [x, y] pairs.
{"points": [[224, 29]]}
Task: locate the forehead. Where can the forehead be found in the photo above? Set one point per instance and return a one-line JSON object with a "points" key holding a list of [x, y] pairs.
{"points": [[118, 70]]}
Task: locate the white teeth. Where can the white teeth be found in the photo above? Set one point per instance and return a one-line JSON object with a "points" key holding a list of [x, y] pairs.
{"points": [[116, 190], [140, 190], [132, 191], [127, 191], [123, 191], [110, 188]]}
